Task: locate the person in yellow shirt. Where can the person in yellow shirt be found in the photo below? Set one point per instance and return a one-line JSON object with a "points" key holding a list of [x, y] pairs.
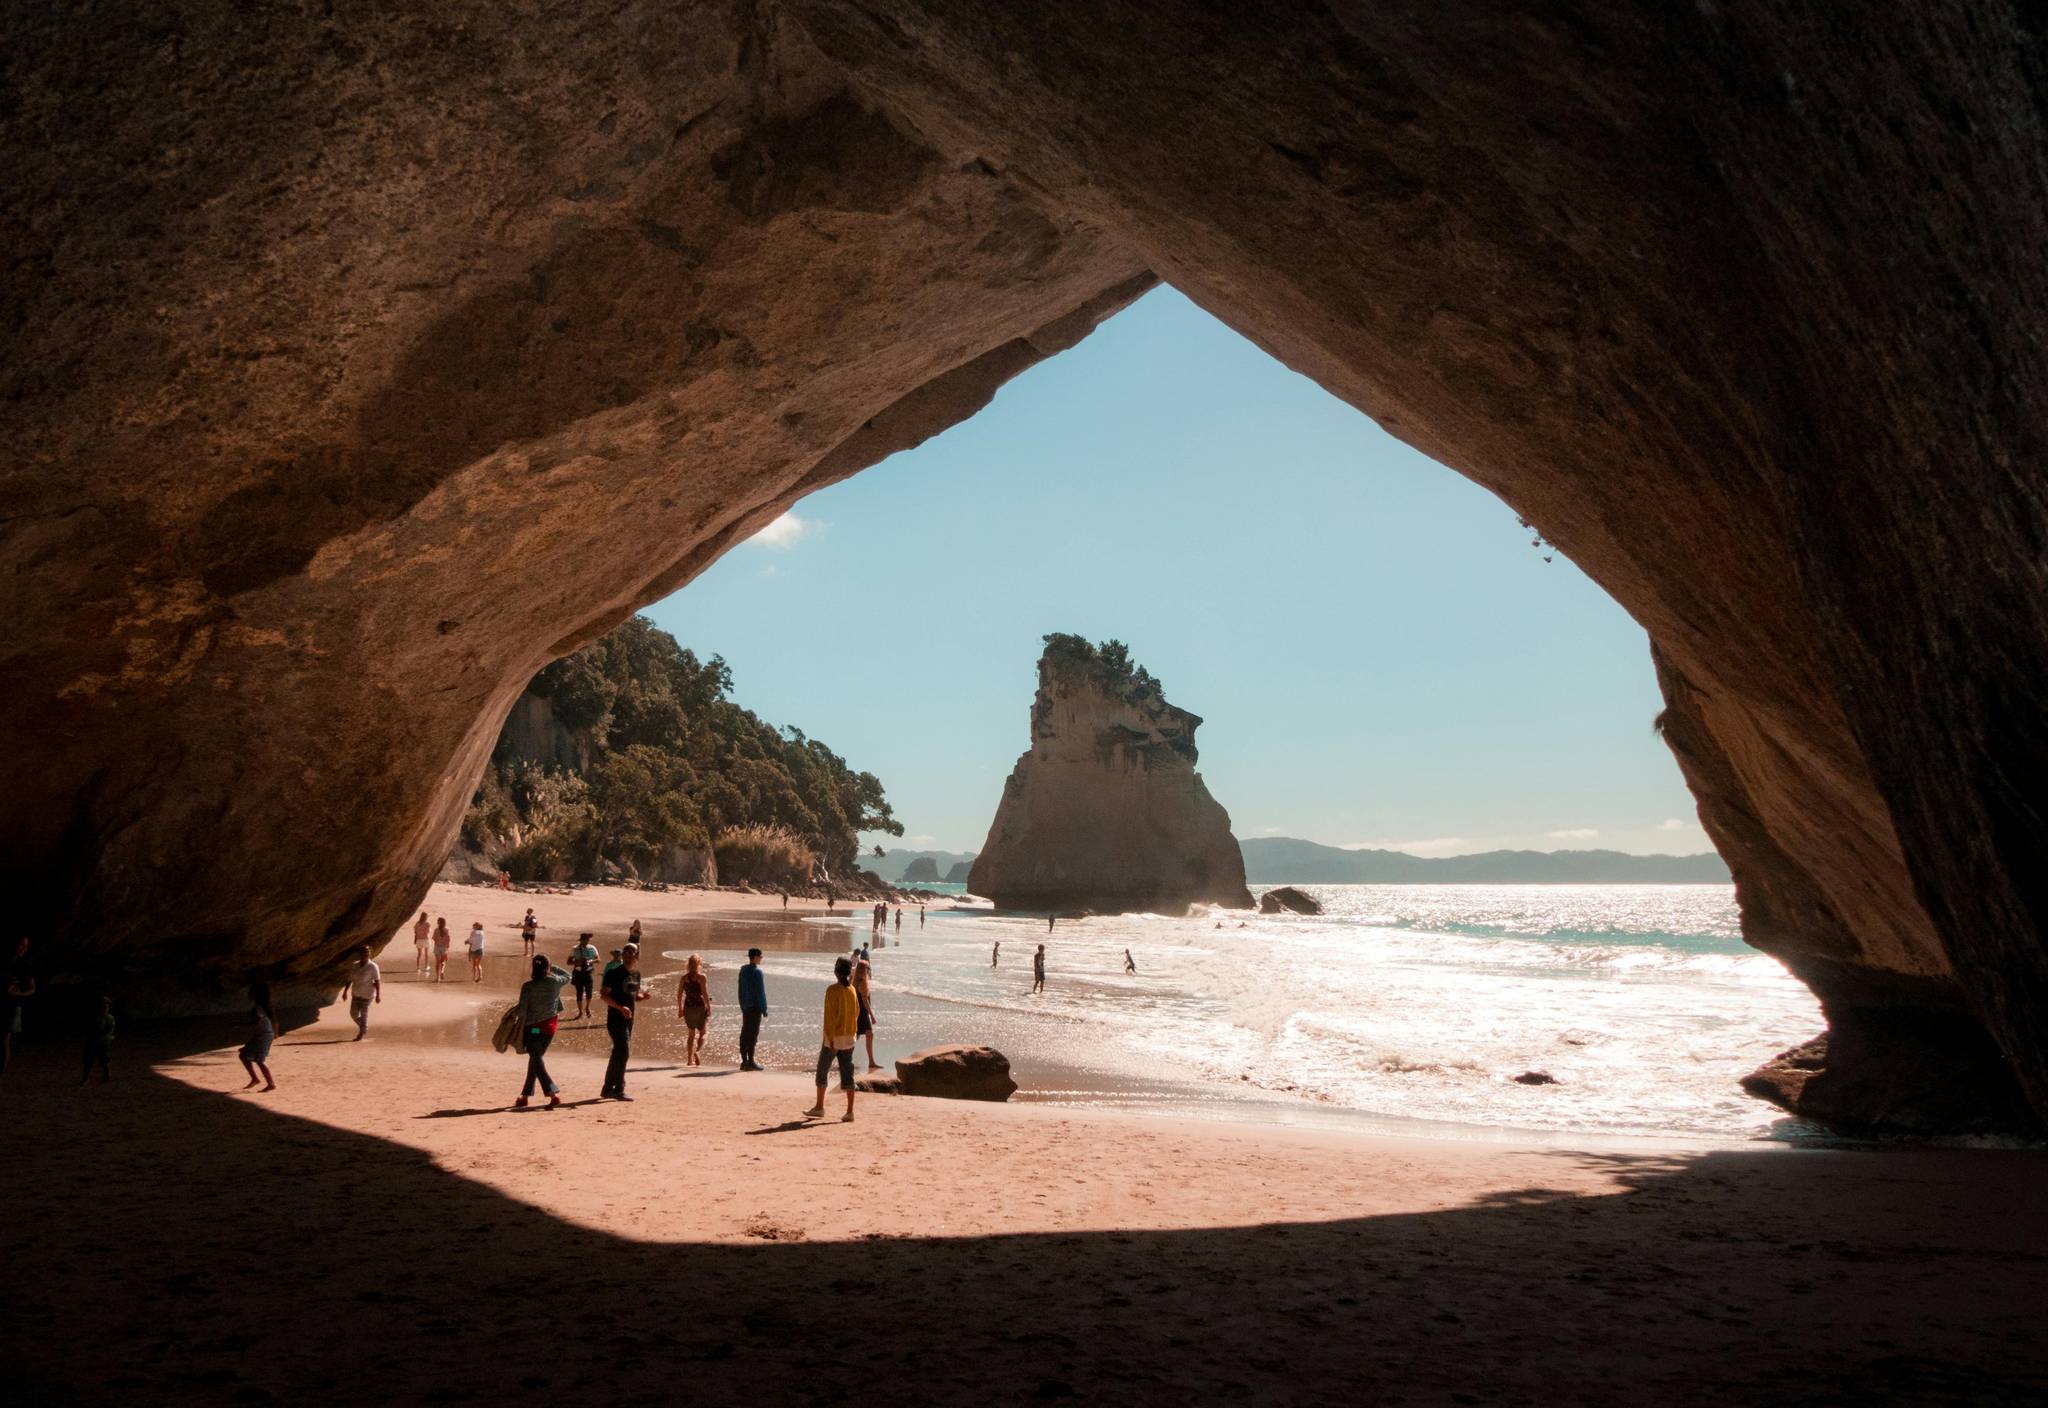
{"points": [[842, 1016]]}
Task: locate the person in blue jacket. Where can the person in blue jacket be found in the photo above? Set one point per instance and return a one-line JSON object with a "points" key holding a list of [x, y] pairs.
{"points": [[753, 1007]]}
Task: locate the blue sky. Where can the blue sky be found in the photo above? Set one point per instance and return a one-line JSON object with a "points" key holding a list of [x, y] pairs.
{"points": [[1379, 655]]}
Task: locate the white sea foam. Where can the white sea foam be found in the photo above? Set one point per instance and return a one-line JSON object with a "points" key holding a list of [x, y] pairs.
{"points": [[1410, 1002]]}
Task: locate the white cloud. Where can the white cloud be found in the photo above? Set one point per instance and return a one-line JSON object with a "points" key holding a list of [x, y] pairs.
{"points": [[1432, 846], [1269, 831], [1575, 833], [783, 532], [1674, 823]]}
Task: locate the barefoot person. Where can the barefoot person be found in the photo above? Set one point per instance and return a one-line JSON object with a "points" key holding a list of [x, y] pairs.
{"points": [[753, 1007], [1130, 963], [365, 985], [1038, 970], [842, 1015], [526, 928], [442, 940], [583, 972], [621, 994], [255, 1053], [864, 1026], [540, 1001], [476, 951], [693, 1005], [995, 955], [422, 944]]}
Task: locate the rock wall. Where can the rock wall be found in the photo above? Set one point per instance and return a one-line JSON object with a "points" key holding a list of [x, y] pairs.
{"points": [[1105, 812], [356, 368]]}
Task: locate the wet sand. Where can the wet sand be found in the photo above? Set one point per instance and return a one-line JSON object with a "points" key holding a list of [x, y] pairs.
{"points": [[384, 1227]]}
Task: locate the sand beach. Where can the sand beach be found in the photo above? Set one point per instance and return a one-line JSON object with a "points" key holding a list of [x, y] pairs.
{"points": [[384, 1227]]}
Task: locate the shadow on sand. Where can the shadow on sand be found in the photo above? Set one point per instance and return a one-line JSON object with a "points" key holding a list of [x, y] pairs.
{"points": [[278, 1260]]}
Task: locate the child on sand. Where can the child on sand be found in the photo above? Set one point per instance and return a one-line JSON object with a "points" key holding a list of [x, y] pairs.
{"points": [[99, 1044], [255, 1053], [842, 1015]]}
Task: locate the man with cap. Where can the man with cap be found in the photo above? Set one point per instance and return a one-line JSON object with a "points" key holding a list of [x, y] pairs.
{"points": [[753, 1007], [621, 994]]}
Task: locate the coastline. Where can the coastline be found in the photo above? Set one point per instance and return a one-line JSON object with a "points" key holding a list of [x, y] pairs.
{"points": [[964, 1252]]}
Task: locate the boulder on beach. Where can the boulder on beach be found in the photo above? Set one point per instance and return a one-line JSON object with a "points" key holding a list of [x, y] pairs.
{"points": [[874, 1083], [1287, 899], [1535, 1078], [956, 1073]]}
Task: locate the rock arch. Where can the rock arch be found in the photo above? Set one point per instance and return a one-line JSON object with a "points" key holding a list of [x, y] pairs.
{"points": [[361, 364]]}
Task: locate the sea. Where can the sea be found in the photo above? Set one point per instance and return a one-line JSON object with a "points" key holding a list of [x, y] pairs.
{"points": [[1411, 1008]]}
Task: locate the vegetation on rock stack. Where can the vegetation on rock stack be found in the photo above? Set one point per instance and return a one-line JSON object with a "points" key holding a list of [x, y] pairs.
{"points": [[1109, 668], [676, 769]]}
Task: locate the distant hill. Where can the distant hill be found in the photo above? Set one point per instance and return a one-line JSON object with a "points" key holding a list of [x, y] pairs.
{"points": [[959, 873], [922, 871], [1284, 860], [892, 866]]}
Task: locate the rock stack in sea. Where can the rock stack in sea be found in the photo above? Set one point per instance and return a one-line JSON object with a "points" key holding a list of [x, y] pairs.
{"points": [[1106, 812]]}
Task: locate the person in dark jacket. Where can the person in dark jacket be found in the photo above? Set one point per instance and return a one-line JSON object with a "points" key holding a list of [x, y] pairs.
{"points": [[753, 1007], [621, 994]]}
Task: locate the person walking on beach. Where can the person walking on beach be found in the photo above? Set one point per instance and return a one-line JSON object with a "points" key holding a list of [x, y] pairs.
{"points": [[583, 972], [633, 933], [255, 1052], [365, 985], [920, 916], [785, 899], [1038, 970], [864, 1024], [21, 986], [540, 1001], [422, 944], [621, 995], [899, 918], [995, 955], [1048, 923], [476, 951], [1130, 964], [842, 1014], [753, 1007], [693, 1005], [526, 928], [441, 942], [99, 1044]]}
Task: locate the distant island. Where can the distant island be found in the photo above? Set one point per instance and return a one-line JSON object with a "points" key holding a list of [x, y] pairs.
{"points": [[1285, 860], [896, 866]]}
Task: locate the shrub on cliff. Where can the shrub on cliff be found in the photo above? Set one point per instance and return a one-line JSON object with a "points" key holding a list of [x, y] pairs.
{"points": [[763, 856]]}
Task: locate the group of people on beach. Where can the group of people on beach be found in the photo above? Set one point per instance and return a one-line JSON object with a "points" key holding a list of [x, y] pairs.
{"points": [[848, 1016], [430, 945]]}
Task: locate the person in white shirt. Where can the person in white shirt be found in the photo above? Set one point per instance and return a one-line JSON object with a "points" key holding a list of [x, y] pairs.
{"points": [[476, 950], [365, 986]]}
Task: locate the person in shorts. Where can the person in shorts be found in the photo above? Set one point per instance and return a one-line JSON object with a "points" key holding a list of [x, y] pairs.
{"points": [[255, 1052], [476, 951], [583, 973], [365, 986], [842, 1016], [693, 1005]]}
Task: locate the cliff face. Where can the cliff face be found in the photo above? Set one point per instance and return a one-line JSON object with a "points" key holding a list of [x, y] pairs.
{"points": [[1106, 811], [358, 368]]}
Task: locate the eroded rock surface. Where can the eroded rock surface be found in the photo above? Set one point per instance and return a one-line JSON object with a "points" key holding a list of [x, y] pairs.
{"points": [[1286, 899], [1105, 812], [354, 369], [956, 1073]]}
